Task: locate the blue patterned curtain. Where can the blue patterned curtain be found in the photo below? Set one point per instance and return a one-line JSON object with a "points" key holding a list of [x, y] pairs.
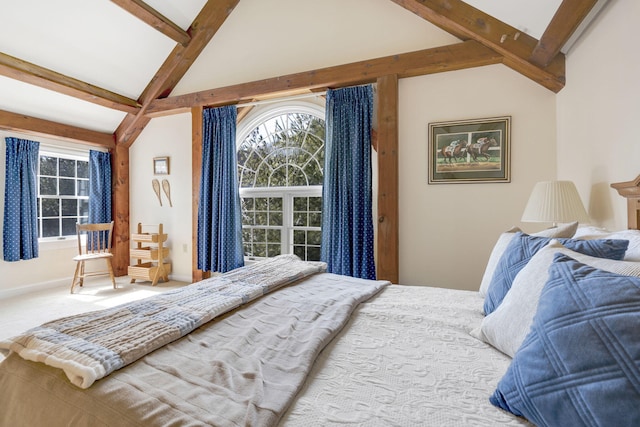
{"points": [[347, 224], [219, 214], [99, 190], [99, 187], [20, 232]]}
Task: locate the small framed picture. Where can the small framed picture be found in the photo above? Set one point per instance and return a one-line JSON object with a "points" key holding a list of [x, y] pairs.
{"points": [[470, 151], [161, 166]]}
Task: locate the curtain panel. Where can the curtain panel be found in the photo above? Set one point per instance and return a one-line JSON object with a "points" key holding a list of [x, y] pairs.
{"points": [[20, 224], [99, 190], [347, 224], [99, 187], [219, 213]]}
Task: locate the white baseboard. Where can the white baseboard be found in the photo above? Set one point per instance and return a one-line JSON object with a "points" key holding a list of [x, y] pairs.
{"points": [[35, 287], [180, 278]]}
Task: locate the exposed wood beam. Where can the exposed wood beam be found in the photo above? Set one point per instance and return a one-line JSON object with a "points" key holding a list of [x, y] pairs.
{"points": [[203, 28], [34, 126], [155, 19], [121, 196], [387, 264], [446, 58], [569, 15], [38, 76], [467, 22]]}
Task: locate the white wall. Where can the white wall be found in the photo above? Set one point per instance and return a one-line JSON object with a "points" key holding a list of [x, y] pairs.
{"points": [[448, 230], [599, 110], [167, 136]]}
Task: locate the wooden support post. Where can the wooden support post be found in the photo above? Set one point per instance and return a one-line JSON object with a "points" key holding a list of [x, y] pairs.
{"points": [[387, 147], [196, 168], [120, 209]]}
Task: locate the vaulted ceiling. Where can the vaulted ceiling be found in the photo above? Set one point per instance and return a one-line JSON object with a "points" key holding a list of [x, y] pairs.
{"points": [[109, 100]]}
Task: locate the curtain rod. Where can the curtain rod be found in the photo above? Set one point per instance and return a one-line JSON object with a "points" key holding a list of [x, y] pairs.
{"points": [[285, 98], [289, 98]]}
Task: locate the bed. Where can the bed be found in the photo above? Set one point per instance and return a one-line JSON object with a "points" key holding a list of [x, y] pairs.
{"points": [[302, 347]]}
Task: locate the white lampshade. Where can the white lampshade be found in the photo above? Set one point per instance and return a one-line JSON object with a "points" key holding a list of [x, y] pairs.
{"points": [[555, 202]]}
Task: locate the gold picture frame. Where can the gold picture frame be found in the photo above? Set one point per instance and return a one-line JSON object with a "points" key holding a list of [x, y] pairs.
{"points": [[470, 151], [161, 165]]}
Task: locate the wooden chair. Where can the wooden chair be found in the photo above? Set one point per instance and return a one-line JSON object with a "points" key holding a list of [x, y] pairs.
{"points": [[97, 247]]}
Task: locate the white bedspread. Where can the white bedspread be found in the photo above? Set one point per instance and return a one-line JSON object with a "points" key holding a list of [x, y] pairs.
{"points": [[406, 359]]}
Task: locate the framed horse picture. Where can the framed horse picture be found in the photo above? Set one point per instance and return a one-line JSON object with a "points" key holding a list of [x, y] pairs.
{"points": [[470, 151]]}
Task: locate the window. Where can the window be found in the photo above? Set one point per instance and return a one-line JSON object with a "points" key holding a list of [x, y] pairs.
{"points": [[63, 193], [280, 161]]}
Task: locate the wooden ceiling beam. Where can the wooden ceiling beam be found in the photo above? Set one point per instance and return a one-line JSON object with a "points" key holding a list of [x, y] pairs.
{"points": [[26, 124], [564, 23], [203, 28], [458, 56], [155, 19], [38, 76], [466, 22]]}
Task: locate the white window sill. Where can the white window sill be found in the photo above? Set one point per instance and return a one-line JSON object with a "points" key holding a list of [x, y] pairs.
{"points": [[55, 244]]}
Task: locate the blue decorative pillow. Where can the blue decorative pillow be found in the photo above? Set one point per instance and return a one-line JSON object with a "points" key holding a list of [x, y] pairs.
{"points": [[522, 247], [580, 363]]}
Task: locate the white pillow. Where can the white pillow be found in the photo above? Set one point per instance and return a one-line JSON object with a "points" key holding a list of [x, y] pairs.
{"points": [[633, 236], [509, 324], [496, 254], [563, 230]]}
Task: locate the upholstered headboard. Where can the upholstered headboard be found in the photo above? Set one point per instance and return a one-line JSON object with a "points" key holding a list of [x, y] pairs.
{"points": [[631, 191]]}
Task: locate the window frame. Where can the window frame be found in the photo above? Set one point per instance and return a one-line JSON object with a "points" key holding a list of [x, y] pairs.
{"points": [[60, 153], [255, 117]]}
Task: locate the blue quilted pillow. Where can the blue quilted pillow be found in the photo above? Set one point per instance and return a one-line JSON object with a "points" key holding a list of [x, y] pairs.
{"points": [[522, 247], [580, 363]]}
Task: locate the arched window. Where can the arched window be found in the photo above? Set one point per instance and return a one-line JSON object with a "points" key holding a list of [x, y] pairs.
{"points": [[280, 171]]}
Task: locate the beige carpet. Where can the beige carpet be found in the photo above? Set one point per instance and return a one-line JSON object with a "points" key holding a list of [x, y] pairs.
{"points": [[20, 313]]}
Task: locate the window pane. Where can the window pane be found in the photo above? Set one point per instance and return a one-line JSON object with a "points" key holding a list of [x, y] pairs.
{"points": [[314, 237], [275, 204], [300, 204], [69, 226], [315, 220], [275, 218], [261, 218], [84, 207], [50, 227], [50, 207], [261, 203], [313, 253], [299, 251], [48, 165], [260, 250], [49, 186], [247, 203], [83, 188], [273, 236], [299, 219], [247, 218], [278, 178], [259, 235], [315, 204], [69, 207], [67, 167], [299, 237], [82, 169], [67, 187], [273, 250]]}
